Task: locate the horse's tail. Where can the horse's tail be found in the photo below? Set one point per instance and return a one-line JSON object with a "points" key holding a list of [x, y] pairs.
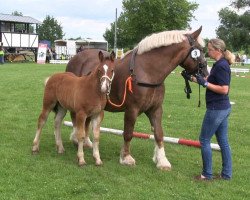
{"points": [[46, 80]]}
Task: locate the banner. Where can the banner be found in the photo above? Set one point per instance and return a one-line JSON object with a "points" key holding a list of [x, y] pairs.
{"points": [[41, 54]]}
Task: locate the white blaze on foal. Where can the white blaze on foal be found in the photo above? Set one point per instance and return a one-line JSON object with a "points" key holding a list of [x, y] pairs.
{"points": [[104, 83]]}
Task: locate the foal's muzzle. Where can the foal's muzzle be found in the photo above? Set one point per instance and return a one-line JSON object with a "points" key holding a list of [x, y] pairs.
{"points": [[106, 83]]}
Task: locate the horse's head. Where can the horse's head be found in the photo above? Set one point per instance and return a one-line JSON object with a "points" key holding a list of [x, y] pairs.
{"points": [[106, 70], [194, 60]]}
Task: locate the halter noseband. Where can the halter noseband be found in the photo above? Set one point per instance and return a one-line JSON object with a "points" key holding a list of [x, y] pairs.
{"points": [[109, 80]]}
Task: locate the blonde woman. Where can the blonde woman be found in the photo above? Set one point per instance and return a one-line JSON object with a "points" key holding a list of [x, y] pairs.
{"points": [[218, 110]]}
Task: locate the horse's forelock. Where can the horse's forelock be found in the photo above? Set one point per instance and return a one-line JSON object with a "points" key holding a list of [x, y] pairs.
{"points": [[165, 38]]}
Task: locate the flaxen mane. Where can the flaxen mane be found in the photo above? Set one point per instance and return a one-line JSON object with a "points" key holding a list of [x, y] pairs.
{"points": [[165, 38]]}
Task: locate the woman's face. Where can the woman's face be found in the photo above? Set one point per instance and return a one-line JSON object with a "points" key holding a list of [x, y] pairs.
{"points": [[213, 53]]}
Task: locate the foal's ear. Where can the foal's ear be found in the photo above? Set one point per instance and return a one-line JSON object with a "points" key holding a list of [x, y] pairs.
{"points": [[101, 57], [112, 56], [197, 33]]}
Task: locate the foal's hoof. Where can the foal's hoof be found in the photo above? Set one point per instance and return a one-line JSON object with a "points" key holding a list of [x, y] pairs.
{"points": [[99, 163], [81, 163], [35, 150], [60, 150]]}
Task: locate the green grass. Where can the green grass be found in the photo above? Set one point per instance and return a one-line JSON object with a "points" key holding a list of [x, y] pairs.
{"points": [[52, 176]]}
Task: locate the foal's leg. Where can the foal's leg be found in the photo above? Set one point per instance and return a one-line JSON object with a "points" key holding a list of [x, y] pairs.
{"points": [[60, 114], [87, 142], [129, 123], [155, 117], [96, 123], [73, 136], [41, 121], [80, 125]]}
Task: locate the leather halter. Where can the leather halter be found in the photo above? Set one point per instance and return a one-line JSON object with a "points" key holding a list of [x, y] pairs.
{"points": [[185, 74]]}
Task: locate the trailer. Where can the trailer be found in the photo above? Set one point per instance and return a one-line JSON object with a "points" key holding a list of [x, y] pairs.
{"points": [[18, 36], [66, 49]]}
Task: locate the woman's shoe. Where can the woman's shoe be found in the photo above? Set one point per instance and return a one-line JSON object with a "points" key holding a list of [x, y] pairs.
{"points": [[201, 178]]}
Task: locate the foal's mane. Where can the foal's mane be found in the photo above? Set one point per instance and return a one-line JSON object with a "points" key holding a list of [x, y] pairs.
{"points": [[164, 38]]}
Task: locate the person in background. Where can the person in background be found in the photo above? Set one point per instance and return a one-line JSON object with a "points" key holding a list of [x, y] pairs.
{"points": [[1, 55], [218, 109]]}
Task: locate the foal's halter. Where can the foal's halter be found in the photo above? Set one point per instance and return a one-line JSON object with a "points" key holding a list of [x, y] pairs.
{"points": [[109, 81]]}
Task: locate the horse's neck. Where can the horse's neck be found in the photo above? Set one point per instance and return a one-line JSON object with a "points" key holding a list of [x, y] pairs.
{"points": [[92, 80], [154, 66]]}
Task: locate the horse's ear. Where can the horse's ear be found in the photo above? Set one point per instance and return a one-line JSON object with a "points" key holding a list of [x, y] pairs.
{"points": [[112, 56], [197, 33], [101, 57]]}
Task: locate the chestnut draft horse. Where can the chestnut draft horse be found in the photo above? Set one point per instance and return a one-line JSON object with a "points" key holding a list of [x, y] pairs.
{"points": [[85, 97], [147, 66]]}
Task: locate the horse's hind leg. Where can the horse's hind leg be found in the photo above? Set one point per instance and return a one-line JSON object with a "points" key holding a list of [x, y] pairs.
{"points": [[96, 123], [80, 128], [87, 142], [155, 117], [129, 123], [60, 114], [41, 121], [73, 135]]}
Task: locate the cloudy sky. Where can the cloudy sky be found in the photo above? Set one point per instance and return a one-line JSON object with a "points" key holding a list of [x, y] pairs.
{"points": [[89, 19]]}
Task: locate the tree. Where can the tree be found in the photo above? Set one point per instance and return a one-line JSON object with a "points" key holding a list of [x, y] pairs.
{"points": [[143, 17], [240, 3], [235, 28], [16, 13], [50, 30]]}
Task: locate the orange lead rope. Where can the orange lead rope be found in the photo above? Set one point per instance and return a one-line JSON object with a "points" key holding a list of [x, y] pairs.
{"points": [[127, 83]]}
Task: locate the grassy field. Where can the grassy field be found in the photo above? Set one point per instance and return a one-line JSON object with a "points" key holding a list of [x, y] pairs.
{"points": [[52, 176]]}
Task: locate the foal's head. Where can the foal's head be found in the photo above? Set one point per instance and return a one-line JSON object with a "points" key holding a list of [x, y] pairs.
{"points": [[106, 70]]}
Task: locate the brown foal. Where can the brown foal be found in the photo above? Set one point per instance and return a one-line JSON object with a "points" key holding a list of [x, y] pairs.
{"points": [[85, 97]]}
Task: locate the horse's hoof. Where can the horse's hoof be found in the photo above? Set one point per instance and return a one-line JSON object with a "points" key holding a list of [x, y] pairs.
{"points": [[164, 168], [127, 160]]}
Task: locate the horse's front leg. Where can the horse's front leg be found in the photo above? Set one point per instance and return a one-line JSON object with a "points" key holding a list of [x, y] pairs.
{"points": [[80, 128], [96, 123], [129, 123], [159, 157]]}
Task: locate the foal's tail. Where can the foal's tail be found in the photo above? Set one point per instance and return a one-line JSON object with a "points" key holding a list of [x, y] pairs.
{"points": [[46, 80]]}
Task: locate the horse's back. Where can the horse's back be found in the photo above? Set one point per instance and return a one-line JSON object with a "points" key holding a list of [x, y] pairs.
{"points": [[84, 62]]}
